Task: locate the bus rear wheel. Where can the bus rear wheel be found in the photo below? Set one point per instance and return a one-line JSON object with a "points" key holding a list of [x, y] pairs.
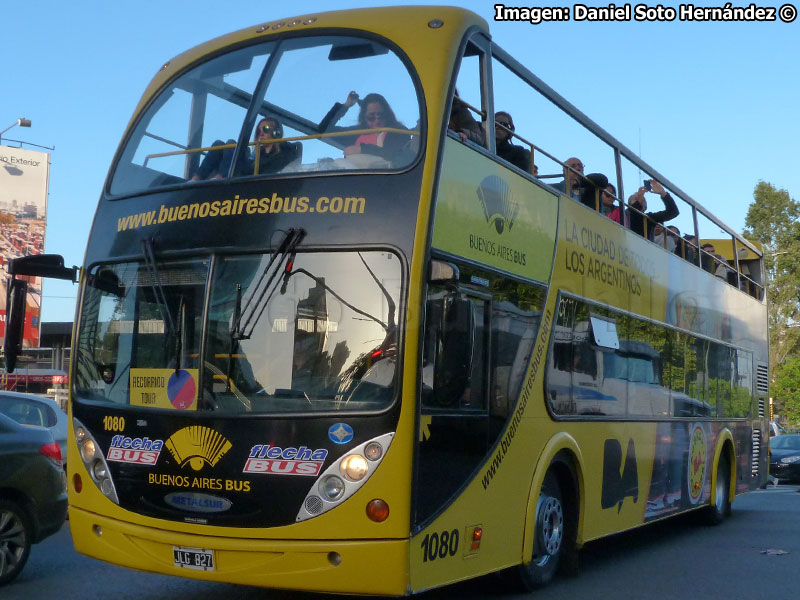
{"points": [[717, 512], [549, 536]]}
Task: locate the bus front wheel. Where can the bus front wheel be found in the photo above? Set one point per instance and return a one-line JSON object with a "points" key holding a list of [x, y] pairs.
{"points": [[549, 536]]}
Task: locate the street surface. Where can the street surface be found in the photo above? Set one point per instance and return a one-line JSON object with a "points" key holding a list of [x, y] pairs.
{"points": [[674, 560]]}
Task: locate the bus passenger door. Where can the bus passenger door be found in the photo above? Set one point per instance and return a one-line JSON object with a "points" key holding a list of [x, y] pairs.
{"points": [[454, 409]]}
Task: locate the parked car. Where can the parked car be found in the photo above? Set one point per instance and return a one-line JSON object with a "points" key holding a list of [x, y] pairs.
{"points": [[29, 409], [784, 456], [33, 492]]}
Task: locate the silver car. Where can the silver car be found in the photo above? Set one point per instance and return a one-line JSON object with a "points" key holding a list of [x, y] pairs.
{"points": [[29, 409]]}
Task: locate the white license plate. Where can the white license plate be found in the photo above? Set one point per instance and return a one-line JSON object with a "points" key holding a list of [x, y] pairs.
{"points": [[193, 558]]}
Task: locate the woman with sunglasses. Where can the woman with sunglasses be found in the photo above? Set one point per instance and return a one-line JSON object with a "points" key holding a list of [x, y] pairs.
{"points": [[272, 156], [517, 155], [374, 113]]}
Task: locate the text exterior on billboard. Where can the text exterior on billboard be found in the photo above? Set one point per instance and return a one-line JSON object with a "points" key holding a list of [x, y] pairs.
{"points": [[24, 177]]}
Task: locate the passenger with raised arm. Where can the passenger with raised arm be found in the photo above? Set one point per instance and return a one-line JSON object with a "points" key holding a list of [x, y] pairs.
{"points": [[374, 112], [639, 219], [517, 155]]}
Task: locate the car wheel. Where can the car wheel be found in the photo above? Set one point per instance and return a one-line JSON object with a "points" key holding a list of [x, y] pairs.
{"points": [[549, 538], [717, 512], [16, 535]]}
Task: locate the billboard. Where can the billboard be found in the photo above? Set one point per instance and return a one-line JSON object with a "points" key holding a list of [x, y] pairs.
{"points": [[24, 177]]}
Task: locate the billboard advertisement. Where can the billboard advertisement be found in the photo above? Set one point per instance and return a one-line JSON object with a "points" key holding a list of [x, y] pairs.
{"points": [[24, 177]]}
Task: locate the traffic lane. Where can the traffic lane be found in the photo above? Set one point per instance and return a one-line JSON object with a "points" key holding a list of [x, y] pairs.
{"points": [[675, 559]]}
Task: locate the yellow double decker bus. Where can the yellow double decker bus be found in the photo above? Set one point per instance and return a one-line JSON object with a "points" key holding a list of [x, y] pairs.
{"points": [[329, 338]]}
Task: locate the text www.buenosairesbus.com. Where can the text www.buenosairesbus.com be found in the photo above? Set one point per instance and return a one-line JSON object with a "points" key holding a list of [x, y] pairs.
{"points": [[244, 206]]}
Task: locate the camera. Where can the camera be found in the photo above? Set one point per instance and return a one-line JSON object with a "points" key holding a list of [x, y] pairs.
{"points": [[647, 185]]}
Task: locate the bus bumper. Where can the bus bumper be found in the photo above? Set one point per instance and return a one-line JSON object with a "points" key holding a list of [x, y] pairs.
{"points": [[356, 567]]}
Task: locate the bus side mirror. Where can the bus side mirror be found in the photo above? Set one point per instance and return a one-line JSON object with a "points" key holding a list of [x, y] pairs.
{"points": [[454, 364], [15, 321]]}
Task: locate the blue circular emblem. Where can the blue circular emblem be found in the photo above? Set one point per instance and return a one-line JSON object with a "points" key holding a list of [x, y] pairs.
{"points": [[340, 433]]}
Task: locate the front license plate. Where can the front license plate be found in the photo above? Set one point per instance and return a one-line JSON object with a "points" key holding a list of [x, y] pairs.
{"points": [[193, 558]]}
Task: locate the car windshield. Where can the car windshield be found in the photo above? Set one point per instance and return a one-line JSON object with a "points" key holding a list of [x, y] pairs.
{"points": [[221, 118], [785, 442], [311, 332]]}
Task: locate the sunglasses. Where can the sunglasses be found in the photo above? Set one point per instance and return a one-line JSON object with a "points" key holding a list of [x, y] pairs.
{"points": [[374, 116], [507, 125], [273, 131]]}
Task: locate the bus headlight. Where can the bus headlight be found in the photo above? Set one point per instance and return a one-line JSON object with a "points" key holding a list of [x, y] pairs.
{"points": [[88, 450], [354, 467], [94, 461], [331, 488]]}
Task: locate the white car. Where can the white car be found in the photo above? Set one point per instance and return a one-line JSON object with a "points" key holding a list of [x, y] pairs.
{"points": [[41, 411]]}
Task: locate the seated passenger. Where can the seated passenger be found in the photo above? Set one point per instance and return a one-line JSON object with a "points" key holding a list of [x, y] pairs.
{"points": [[216, 162], [609, 206], [573, 171], [662, 237], [464, 124], [272, 157], [690, 244], [707, 257], [636, 217], [375, 112], [517, 155]]}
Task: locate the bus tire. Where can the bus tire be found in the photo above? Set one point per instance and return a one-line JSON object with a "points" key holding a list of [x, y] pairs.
{"points": [[717, 512], [16, 537], [549, 542]]}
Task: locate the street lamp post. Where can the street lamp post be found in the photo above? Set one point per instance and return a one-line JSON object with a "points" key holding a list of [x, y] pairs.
{"points": [[22, 122]]}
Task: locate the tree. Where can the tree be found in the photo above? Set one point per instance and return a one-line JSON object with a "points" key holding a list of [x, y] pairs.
{"points": [[772, 220]]}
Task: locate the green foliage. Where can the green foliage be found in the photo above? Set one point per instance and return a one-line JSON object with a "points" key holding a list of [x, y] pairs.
{"points": [[772, 220], [787, 388]]}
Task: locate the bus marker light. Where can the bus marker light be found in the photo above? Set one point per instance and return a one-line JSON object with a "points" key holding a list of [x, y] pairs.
{"points": [[373, 451], [477, 534], [77, 483], [98, 531], [334, 558], [354, 467], [378, 510]]}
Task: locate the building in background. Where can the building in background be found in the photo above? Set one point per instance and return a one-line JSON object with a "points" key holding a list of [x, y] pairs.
{"points": [[24, 179]]}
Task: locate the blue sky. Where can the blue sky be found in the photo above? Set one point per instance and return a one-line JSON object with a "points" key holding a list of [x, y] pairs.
{"points": [[712, 106]]}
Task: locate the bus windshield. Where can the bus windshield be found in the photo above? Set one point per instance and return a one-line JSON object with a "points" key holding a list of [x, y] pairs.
{"points": [[312, 332], [221, 118]]}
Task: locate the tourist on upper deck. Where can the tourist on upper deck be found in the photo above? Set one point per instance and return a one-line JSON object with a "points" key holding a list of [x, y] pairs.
{"points": [[638, 206], [707, 257], [609, 206], [464, 124], [272, 156], [374, 112], [690, 244], [516, 155], [573, 172]]}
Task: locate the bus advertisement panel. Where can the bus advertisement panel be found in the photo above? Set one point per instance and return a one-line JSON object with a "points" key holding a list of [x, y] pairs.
{"points": [[24, 178]]}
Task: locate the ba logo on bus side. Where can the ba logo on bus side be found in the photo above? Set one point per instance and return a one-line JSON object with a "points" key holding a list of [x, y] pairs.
{"points": [[618, 482], [697, 463]]}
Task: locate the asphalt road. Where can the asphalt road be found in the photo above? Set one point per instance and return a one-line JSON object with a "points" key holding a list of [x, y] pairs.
{"points": [[753, 555]]}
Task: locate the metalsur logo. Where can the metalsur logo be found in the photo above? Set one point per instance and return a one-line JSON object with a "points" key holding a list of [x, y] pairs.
{"points": [[196, 502]]}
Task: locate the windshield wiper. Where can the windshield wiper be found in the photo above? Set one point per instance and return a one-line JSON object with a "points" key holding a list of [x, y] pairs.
{"points": [[259, 299], [158, 291]]}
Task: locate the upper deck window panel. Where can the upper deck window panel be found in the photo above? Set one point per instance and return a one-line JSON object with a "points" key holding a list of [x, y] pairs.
{"points": [[289, 103]]}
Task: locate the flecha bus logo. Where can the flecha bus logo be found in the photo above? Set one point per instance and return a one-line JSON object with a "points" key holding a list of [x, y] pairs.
{"points": [[141, 451], [197, 446], [275, 460]]}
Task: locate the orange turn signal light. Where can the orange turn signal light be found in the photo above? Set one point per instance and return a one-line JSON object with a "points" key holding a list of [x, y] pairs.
{"points": [[477, 534], [378, 510], [77, 483]]}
